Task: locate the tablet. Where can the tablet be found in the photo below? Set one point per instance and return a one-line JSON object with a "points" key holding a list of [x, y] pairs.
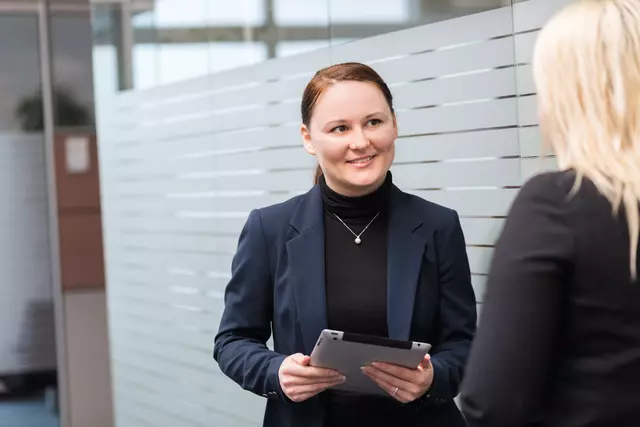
{"points": [[347, 352]]}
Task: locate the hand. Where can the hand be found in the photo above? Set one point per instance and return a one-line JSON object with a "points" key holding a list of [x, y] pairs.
{"points": [[299, 381], [403, 384]]}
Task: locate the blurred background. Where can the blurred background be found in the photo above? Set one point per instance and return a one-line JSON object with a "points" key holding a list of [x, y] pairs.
{"points": [[135, 137], [167, 41]]}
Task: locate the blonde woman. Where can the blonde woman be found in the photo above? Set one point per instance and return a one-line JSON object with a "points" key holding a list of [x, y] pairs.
{"points": [[559, 337]]}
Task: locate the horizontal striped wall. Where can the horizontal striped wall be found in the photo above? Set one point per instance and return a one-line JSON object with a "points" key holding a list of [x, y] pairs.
{"points": [[183, 164], [27, 341]]}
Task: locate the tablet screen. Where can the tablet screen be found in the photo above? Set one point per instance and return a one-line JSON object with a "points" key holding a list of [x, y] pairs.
{"points": [[368, 339]]}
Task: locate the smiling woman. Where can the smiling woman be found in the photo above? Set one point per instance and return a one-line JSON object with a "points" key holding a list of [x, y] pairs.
{"points": [[298, 270], [354, 127]]}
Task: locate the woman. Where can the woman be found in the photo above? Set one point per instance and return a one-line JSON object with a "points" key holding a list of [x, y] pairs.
{"points": [[559, 339], [354, 254]]}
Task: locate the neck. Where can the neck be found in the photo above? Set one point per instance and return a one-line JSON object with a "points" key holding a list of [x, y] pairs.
{"points": [[355, 191], [361, 207]]}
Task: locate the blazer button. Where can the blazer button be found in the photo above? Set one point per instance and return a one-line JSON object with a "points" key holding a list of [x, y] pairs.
{"points": [[265, 395]]}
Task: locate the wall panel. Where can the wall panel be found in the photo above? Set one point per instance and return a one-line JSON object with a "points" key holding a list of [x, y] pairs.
{"points": [[27, 341]]}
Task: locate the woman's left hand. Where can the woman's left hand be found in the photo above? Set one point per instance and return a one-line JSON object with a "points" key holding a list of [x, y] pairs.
{"points": [[403, 384]]}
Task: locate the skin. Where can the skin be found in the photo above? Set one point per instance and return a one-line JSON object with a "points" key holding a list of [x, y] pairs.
{"points": [[411, 383], [352, 120]]}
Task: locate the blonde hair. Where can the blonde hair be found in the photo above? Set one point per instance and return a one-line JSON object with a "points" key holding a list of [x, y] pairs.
{"points": [[587, 72]]}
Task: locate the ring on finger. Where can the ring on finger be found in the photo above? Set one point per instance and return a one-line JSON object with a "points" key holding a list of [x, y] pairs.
{"points": [[395, 390]]}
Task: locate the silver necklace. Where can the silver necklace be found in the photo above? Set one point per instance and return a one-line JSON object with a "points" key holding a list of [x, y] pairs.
{"points": [[357, 240]]}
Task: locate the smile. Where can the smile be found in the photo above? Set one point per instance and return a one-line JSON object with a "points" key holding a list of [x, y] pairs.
{"points": [[361, 161]]}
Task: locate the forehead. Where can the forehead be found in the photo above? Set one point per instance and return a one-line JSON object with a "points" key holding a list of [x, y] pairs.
{"points": [[349, 100]]}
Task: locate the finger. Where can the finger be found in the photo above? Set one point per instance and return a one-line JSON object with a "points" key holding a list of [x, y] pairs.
{"points": [[400, 395], [397, 371], [292, 381], [302, 397], [426, 362], [305, 396], [311, 372], [300, 359], [390, 379], [299, 393], [314, 389]]}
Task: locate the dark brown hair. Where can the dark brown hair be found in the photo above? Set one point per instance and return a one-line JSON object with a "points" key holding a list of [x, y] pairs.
{"points": [[326, 77]]}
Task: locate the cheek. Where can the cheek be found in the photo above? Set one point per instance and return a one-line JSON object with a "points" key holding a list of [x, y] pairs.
{"points": [[332, 151], [384, 141]]}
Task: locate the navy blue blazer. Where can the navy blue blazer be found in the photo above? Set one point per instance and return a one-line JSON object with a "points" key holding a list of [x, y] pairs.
{"points": [[278, 285]]}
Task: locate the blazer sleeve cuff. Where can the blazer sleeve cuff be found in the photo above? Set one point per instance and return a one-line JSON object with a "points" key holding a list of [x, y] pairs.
{"points": [[438, 394], [440, 391], [274, 391]]}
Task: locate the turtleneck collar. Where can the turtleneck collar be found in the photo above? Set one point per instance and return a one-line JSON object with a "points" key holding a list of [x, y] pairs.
{"points": [[361, 208]]}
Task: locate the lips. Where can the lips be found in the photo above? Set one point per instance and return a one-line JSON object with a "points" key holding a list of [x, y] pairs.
{"points": [[361, 160]]}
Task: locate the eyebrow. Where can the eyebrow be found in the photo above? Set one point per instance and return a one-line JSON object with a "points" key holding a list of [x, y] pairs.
{"points": [[368, 116], [335, 122]]}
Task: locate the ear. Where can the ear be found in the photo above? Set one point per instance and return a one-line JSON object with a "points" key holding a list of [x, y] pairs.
{"points": [[306, 140], [395, 125]]}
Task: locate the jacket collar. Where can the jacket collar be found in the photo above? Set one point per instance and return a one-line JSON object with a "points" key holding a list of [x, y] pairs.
{"points": [[307, 264]]}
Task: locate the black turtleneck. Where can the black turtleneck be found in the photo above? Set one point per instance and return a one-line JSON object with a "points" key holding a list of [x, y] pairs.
{"points": [[356, 275], [356, 290]]}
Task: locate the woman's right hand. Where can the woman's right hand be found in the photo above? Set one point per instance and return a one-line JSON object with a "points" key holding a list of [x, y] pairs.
{"points": [[299, 381]]}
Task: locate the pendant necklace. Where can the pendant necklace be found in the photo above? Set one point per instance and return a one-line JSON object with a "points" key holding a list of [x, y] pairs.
{"points": [[358, 240]]}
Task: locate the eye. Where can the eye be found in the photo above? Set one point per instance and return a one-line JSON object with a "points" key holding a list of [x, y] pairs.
{"points": [[375, 122], [339, 129]]}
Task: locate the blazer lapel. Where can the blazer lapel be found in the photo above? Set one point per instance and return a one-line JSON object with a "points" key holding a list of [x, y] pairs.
{"points": [[306, 266], [404, 261]]}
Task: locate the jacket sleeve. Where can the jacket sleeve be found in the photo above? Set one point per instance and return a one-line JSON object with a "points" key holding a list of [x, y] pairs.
{"points": [[514, 352], [240, 345], [457, 319]]}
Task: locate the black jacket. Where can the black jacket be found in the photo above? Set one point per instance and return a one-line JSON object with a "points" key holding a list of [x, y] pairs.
{"points": [[278, 281], [559, 337]]}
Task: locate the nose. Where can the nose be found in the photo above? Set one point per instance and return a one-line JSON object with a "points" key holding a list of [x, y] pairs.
{"points": [[359, 141]]}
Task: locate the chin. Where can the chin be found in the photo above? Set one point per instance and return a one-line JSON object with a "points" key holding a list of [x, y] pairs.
{"points": [[366, 180]]}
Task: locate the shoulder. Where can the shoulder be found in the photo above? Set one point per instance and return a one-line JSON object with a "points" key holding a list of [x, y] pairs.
{"points": [[433, 214], [280, 213], [544, 204], [271, 222], [551, 184], [546, 189], [279, 210], [541, 219], [277, 217]]}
